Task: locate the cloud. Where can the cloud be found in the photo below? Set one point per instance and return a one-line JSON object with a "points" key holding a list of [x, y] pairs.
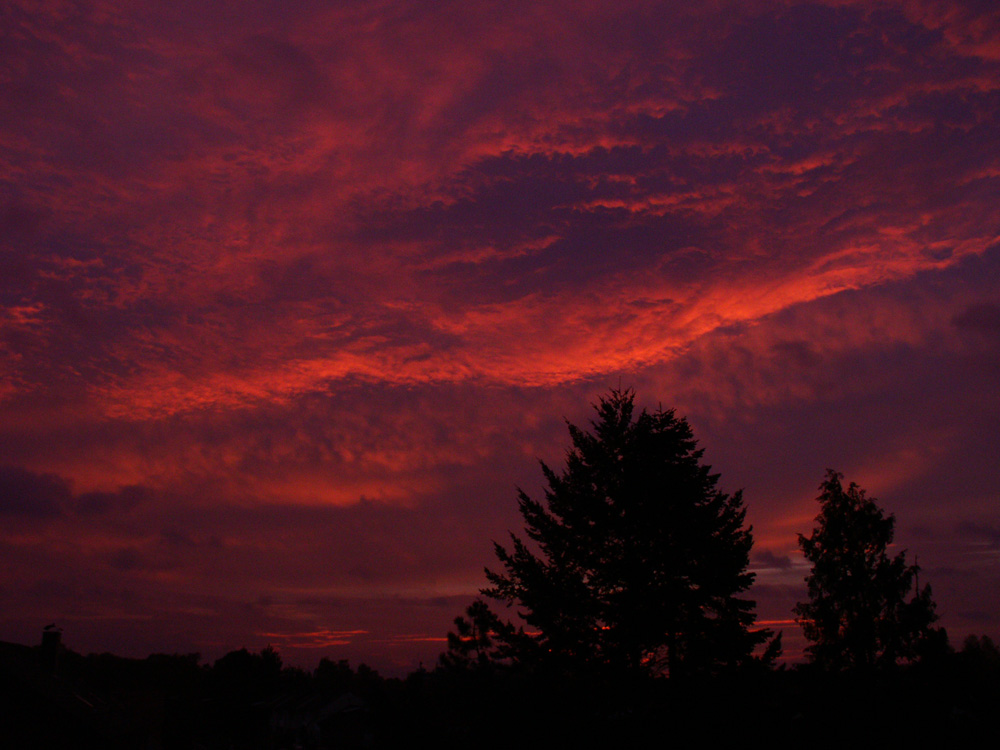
{"points": [[286, 223], [314, 639], [982, 318], [766, 558], [290, 297], [25, 494], [981, 533]]}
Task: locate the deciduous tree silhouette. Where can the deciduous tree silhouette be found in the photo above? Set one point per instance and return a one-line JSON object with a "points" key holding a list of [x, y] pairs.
{"points": [[858, 615], [635, 560]]}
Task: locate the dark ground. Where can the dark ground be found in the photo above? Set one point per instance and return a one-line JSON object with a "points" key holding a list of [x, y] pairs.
{"points": [[55, 698]]}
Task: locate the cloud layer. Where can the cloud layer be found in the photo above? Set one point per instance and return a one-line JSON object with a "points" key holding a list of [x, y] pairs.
{"points": [[292, 299]]}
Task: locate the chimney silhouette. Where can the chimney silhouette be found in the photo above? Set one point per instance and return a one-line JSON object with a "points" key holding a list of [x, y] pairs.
{"points": [[51, 646]]}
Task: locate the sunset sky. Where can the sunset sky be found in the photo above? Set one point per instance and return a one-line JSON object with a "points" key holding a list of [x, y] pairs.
{"points": [[293, 296]]}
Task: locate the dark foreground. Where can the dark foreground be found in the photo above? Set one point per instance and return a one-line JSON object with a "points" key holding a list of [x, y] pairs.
{"points": [[59, 699]]}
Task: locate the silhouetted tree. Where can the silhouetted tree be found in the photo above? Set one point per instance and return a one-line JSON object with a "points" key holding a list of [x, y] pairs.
{"points": [[858, 615], [479, 640], [635, 560], [334, 676], [244, 675], [981, 650]]}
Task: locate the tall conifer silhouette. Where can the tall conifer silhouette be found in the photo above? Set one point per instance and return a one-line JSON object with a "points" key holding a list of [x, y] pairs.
{"points": [[634, 559], [861, 613]]}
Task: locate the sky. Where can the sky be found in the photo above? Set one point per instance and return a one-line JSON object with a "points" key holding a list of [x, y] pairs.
{"points": [[295, 296]]}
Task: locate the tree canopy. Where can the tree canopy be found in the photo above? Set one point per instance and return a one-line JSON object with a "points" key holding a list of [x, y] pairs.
{"points": [[634, 560], [858, 615]]}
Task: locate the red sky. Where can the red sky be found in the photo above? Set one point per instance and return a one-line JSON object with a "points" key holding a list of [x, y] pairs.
{"points": [[294, 296]]}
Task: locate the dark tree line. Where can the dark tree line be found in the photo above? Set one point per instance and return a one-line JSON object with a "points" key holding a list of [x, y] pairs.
{"points": [[620, 616], [634, 561], [251, 701], [53, 697]]}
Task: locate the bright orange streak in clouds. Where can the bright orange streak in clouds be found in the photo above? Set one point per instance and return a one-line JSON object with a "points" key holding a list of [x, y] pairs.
{"points": [[317, 639], [625, 325], [291, 302]]}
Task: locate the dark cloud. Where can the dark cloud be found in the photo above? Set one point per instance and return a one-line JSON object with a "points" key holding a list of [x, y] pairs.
{"points": [[125, 559], [981, 533], [121, 501], [982, 318], [25, 494], [807, 47], [767, 559]]}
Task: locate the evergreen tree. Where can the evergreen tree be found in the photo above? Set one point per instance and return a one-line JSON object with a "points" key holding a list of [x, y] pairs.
{"points": [[478, 640], [858, 616], [635, 560]]}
